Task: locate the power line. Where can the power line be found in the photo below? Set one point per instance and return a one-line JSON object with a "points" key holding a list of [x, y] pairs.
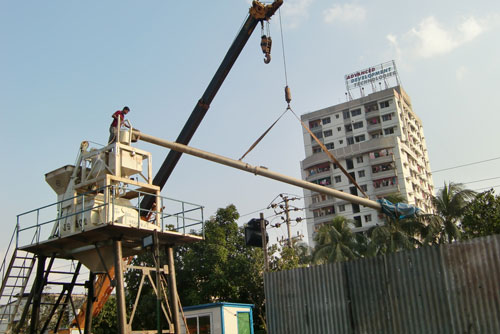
{"points": [[465, 165], [498, 185], [491, 178]]}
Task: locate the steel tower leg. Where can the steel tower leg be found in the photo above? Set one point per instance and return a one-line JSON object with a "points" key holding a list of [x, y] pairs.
{"points": [[37, 295], [90, 304], [120, 290], [173, 290]]}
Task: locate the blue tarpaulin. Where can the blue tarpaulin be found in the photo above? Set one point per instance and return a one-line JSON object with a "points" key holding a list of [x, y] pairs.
{"points": [[398, 210]]}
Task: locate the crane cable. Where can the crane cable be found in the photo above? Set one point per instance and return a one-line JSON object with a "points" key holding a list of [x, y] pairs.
{"points": [[288, 99]]}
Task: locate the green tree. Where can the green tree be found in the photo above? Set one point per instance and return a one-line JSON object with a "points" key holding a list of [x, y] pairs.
{"points": [[221, 268], [335, 242], [106, 321], [481, 217], [450, 204], [285, 258]]}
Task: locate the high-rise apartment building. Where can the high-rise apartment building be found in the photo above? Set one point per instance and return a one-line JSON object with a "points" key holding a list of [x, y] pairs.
{"points": [[380, 141]]}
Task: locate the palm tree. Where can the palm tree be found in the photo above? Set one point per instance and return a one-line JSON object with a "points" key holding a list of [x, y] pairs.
{"points": [[449, 203], [335, 242], [396, 234]]}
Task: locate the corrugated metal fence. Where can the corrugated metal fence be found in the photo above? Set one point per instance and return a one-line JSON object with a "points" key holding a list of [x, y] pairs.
{"points": [[447, 289]]}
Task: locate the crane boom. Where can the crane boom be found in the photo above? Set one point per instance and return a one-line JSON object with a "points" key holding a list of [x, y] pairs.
{"points": [[258, 13]]}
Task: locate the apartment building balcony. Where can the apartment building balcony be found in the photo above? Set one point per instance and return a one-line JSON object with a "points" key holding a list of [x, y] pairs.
{"points": [[372, 113], [386, 190], [373, 127], [352, 150], [317, 205], [384, 174], [318, 175], [380, 160], [325, 218]]}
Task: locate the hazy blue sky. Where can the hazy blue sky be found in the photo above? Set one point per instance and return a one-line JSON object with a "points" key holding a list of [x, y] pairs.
{"points": [[66, 66]]}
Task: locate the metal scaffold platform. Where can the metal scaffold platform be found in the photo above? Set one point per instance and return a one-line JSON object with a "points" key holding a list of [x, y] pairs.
{"points": [[97, 222]]}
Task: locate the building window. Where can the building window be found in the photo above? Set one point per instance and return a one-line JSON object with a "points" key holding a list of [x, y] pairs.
{"points": [[384, 104], [361, 173], [338, 179], [388, 131], [318, 135], [371, 107], [349, 163], [353, 190], [348, 128], [387, 117], [199, 324], [357, 125], [356, 112], [318, 169], [326, 120], [316, 149], [359, 138], [350, 140], [381, 153], [355, 209], [359, 159], [386, 182], [339, 129], [335, 166], [357, 221], [383, 167], [330, 146], [326, 181], [327, 133], [337, 115], [364, 187], [341, 207], [314, 124], [341, 141], [346, 114], [368, 218]]}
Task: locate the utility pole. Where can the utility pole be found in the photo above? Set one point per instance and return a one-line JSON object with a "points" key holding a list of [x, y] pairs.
{"points": [[264, 241], [287, 220]]}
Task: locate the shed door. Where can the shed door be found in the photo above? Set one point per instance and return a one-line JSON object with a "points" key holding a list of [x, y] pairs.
{"points": [[244, 323]]}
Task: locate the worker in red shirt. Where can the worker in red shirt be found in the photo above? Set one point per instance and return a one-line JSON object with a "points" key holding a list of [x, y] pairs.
{"points": [[118, 121]]}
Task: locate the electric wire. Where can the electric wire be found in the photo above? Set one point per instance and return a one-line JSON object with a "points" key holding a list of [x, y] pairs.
{"points": [[491, 178], [490, 187], [465, 165]]}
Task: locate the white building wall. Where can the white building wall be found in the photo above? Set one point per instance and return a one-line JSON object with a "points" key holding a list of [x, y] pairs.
{"points": [[381, 123]]}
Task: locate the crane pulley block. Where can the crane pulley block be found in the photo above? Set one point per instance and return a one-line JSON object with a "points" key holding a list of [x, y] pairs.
{"points": [[260, 11]]}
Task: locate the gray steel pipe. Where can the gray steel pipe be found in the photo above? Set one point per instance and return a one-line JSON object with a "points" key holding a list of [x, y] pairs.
{"points": [[262, 171]]}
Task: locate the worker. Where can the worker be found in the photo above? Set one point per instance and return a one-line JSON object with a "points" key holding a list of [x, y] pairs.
{"points": [[118, 121]]}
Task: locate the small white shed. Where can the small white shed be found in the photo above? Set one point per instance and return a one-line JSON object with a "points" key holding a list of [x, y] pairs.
{"points": [[218, 318]]}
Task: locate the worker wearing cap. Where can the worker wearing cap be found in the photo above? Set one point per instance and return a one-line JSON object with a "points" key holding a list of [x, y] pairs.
{"points": [[118, 121]]}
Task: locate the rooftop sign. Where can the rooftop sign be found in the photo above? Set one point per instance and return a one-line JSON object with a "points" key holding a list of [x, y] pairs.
{"points": [[372, 75]]}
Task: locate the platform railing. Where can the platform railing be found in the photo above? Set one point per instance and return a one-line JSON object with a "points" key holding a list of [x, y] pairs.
{"points": [[46, 222]]}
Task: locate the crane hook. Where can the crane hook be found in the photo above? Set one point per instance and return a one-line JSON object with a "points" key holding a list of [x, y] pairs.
{"points": [[265, 44]]}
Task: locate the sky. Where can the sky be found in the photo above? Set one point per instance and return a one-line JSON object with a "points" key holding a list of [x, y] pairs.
{"points": [[66, 66]]}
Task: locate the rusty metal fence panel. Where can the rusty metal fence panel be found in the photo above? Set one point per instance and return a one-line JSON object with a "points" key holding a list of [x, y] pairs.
{"points": [[473, 282], [311, 300], [447, 289]]}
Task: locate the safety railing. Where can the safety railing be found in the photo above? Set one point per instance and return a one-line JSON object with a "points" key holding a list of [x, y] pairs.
{"points": [[49, 221]]}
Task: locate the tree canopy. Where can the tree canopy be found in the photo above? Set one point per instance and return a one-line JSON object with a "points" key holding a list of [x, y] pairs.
{"points": [[481, 217]]}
